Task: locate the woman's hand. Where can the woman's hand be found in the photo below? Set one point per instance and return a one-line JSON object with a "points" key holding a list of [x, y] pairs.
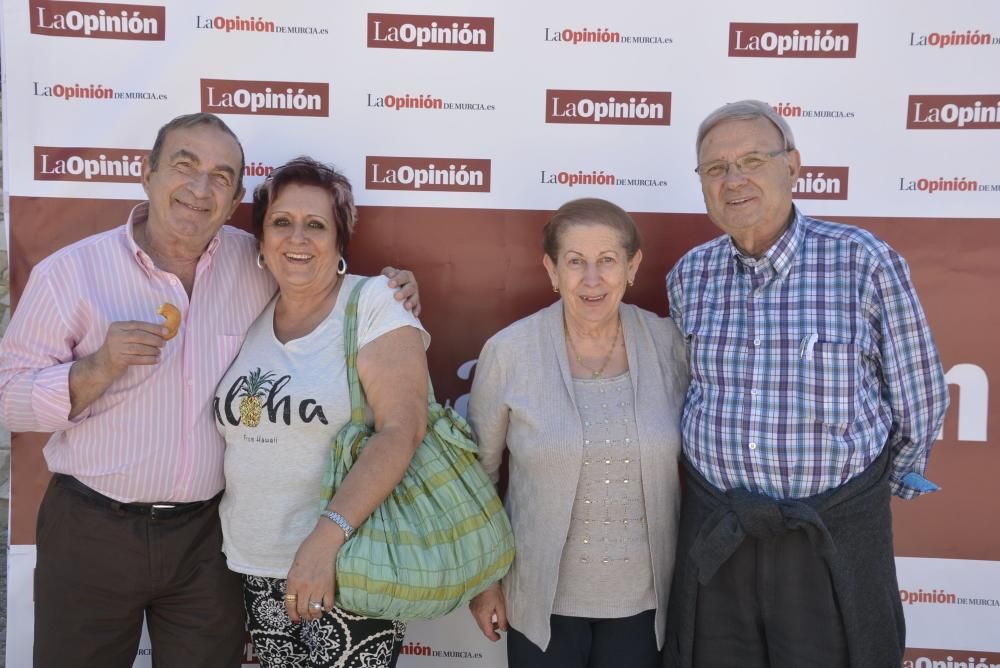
{"points": [[311, 577], [488, 606], [408, 292]]}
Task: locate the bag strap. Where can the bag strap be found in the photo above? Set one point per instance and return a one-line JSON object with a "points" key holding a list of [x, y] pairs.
{"points": [[358, 403]]}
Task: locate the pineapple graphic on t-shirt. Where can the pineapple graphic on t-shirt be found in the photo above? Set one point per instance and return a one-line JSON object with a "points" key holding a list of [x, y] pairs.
{"points": [[252, 392], [259, 395]]}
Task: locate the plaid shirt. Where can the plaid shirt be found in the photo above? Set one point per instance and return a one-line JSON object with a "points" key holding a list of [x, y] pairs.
{"points": [[806, 362]]}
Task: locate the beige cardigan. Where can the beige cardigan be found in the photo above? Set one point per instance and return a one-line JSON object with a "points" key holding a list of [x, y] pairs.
{"points": [[523, 400]]}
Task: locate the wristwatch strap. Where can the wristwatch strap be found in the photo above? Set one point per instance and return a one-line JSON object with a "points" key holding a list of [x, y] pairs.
{"points": [[340, 521]]}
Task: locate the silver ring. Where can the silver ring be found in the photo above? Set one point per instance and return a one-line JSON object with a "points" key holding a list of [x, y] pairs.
{"points": [[313, 605]]}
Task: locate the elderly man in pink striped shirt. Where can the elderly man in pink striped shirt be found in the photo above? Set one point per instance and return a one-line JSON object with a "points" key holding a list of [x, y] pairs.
{"points": [[129, 525]]}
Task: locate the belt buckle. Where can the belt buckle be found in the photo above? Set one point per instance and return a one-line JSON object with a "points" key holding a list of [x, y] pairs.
{"points": [[161, 510]]}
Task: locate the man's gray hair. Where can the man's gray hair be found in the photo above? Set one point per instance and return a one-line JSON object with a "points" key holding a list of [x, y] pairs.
{"points": [[745, 110]]}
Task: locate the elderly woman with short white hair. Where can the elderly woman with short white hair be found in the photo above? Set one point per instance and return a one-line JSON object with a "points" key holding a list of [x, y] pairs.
{"points": [[586, 397]]}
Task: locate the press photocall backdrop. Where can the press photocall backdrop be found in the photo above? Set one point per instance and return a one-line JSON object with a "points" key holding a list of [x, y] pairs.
{"points": [[463, 124]]}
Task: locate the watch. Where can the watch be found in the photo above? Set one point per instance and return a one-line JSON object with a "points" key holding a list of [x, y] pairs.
{"points": [[340, 521]]}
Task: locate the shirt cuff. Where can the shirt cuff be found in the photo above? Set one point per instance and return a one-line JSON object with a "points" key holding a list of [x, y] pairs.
{"points": [[50, 398], [912, 485]]}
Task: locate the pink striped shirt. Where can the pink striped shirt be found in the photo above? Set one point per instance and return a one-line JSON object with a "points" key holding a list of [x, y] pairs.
{"points": [[151, 436]]}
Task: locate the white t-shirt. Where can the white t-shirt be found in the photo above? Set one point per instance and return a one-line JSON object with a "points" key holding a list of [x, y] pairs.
{"points": [[275, 464]]}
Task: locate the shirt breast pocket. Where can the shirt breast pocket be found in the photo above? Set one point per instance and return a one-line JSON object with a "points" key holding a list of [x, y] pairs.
{"points": [[827, 382]]}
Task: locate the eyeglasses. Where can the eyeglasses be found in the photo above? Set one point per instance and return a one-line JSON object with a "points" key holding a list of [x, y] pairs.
{"points": [[745, 164]]}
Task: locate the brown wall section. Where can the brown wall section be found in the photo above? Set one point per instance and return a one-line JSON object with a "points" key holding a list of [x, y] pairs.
{"points": [[479, 270]]}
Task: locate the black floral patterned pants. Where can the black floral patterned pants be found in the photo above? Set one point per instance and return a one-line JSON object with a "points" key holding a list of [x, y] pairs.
{"points": [[338, 639]]}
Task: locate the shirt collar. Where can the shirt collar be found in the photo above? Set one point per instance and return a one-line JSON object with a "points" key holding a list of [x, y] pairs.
{"points": [[139, 215], [779, 256], [783, 251]]}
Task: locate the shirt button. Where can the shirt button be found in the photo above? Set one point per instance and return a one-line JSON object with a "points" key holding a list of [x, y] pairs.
{"points": [[753, 393], [756, 342], [753, 446]]}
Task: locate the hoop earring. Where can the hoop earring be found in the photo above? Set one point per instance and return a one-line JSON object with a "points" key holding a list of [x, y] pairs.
{"points": [[260, 260], [631, 283], [342, 266], [555, 289]]}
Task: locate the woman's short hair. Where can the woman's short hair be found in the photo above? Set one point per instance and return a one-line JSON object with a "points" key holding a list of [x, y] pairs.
{"points": [[305, 171], [745, 110], [590, 211]]}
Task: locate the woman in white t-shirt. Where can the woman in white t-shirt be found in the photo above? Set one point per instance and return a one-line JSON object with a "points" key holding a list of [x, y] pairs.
{"points": [[280, 405]]}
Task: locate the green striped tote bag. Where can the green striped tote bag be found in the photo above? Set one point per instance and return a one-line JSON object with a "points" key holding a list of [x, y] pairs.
{"points": [[441, 536]]}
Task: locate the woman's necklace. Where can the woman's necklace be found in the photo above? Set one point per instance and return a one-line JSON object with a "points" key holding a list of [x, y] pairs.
{"points": [[594, 373]]}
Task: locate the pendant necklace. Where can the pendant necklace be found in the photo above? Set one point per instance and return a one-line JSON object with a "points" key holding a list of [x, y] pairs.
{"points": [[594, 373]]}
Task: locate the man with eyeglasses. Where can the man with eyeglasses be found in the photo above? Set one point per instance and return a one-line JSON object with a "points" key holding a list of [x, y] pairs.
{"points": [[816, 393]]}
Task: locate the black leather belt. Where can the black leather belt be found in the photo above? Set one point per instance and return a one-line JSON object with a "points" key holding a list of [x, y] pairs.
{"points": [[158, 511]]}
